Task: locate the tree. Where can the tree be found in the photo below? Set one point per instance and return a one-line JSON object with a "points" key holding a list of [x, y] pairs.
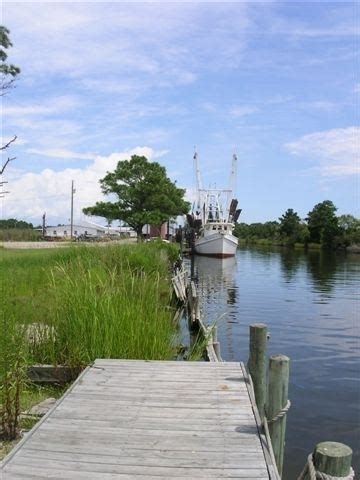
{"points": [[289, 222], [323, 223], [291, 229], [241, 230], [349, 229], [14, 223], [144, 195], [8, 73]]}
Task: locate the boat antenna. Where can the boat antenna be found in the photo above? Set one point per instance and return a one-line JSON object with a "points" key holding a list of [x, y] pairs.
{"points": [[233, 174], [198, 182]]}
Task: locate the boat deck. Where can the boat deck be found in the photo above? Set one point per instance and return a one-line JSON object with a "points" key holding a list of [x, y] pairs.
{"points": [[146, 420]]}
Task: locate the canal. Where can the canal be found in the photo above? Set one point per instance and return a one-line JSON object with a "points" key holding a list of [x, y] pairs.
{"points": [[309, 302]]}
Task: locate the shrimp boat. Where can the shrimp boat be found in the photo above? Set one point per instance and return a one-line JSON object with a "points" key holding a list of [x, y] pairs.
{"points": [[213, 219]]}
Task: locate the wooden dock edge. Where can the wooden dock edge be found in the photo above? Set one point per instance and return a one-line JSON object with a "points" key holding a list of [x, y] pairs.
{"points": [[24, 439], [267, 448]]}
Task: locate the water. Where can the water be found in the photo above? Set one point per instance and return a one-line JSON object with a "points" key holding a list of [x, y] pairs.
{"points": [[309, 302]]}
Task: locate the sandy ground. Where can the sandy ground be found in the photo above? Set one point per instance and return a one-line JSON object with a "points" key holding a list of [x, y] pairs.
{"points": [[29, 245]]}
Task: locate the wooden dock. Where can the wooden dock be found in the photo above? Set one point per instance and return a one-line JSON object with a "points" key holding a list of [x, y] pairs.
{"points": [[148, 420]]}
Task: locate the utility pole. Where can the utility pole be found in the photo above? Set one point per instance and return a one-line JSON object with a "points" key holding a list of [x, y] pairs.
{"points": [[44, 224], [72, 209]]}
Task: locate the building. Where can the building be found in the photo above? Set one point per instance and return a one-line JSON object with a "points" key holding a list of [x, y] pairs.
{"points": [[165, 231], [87, 229]]}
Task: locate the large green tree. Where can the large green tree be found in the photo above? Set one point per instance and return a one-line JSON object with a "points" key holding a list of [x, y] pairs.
{"points": [[143, 195], [323, 223]]}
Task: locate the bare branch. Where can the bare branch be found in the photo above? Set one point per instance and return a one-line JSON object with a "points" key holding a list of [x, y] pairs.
{"points": [[5, 86], [9, 143], [7, 161]]}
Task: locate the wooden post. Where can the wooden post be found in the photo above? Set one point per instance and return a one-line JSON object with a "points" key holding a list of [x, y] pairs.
{"points": [[276, 401], [257, 364], [333, 458], [216, 343]]}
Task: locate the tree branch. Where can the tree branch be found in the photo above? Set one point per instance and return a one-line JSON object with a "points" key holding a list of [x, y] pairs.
{"points": [[7, 161], [4, 147]]}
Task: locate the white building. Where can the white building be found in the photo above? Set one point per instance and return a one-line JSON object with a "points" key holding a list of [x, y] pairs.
{"points": [[87, 229]]}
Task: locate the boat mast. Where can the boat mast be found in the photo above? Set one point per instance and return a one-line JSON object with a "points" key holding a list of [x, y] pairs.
{"points": [[232, 180], [198, 206], [233, 174]]}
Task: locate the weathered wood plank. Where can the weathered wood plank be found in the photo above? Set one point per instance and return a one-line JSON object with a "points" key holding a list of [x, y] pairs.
{"points": [[22, 472], [162, 472], [33, 457]]}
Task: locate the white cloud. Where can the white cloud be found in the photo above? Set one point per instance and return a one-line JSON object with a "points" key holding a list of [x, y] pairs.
{"points": [[47, 106], [164, 44], [356, 88], [33, 193], [62, 153], [336, 150], [322, 105], [241, 111]]}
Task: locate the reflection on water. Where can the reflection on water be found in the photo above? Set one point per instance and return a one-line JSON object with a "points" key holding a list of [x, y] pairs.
{"points": [[309, 302], [215, 278]]}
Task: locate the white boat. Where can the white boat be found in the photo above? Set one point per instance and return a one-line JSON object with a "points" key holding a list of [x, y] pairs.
{"points": [[214, 219], [216, 240]]}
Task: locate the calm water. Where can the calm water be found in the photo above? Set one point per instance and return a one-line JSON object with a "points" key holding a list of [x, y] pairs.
{"points": [[309, 302]]}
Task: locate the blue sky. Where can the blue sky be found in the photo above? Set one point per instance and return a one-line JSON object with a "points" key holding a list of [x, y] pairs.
{"points": [[276, 82]]}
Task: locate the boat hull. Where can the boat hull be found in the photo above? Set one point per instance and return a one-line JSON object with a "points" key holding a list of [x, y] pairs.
{"points": [[216, 245]]}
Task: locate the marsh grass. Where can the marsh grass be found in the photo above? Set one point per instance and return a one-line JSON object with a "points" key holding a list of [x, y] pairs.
{"points": [[108, 312], [89, 302]]}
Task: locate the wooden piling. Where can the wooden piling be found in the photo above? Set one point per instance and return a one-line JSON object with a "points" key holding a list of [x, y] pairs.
{"points": [[277, 400], [216, 344], [257, 364], [333, 458]]}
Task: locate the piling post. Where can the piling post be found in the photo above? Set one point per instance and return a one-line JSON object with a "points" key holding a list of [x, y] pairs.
{"points": [[333, 458], [257, 364], [216, 344], [277, 404]]}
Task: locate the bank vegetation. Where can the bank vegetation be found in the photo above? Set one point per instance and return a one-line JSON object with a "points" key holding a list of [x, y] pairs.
{"points": [[322, 228]]}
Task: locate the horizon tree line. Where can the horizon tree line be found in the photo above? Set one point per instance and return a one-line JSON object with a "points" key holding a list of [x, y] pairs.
{"points": [[321, 226]]}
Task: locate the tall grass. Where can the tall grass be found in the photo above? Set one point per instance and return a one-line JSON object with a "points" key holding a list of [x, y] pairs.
{"points": [[73, 305], [12, 374], [87, 302], [108, 311]]}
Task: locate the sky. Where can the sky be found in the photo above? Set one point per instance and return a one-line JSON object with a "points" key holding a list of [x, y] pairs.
{"points": [[276, 82]]}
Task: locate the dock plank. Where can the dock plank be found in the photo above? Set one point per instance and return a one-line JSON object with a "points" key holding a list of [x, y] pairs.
{"points": [[132, 419]]}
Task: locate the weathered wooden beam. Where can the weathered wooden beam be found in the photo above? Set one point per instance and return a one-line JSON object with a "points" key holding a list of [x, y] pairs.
{"points": [[333, 458], [257, 364], [277, 400], [61, 374]]}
